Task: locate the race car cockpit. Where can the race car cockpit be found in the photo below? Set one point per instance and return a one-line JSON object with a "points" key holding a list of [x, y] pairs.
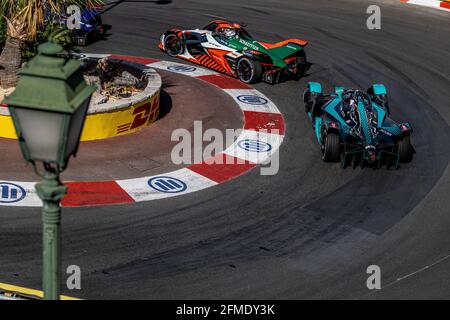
{"points": [[352, 97], [351, 100], [227, 33], [228, 30]]}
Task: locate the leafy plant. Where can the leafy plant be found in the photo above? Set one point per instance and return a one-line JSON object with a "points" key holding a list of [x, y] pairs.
{"points": [[25, 20], [52, 32], [30, 14]]}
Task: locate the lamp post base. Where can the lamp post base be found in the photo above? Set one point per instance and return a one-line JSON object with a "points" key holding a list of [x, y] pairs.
{"points": [[51, 191]]}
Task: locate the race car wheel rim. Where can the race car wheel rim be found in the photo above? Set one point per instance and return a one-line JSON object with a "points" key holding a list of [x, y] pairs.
{"points": [[173, 45], [245, 70]]}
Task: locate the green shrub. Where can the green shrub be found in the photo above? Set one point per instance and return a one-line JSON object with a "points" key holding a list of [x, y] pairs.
{"points": [[52, 32]]}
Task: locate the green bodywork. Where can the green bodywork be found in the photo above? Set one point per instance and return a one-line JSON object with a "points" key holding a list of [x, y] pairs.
{"points": [[277, 55]]}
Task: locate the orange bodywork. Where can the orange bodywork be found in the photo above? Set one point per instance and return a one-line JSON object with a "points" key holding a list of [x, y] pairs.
{"points": [[266, 45], [218, 57], [207, 61], [225, 24]]}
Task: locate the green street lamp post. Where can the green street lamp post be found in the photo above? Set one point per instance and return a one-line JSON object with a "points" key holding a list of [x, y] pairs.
{"points": [[48, 109]]}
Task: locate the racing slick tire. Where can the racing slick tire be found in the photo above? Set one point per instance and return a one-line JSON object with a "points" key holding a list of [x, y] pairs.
{"points": [[173, 44], [331, 146], [309, 99], [405, 149], [312, 102], [248, 70]]}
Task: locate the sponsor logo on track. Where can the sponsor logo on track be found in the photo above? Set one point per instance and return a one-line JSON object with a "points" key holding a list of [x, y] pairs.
{"points": [[254, 145], [167, 184], [253, 100], [182, 68], [11, 193]]}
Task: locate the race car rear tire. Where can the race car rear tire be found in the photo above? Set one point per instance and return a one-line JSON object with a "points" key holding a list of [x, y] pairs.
{"points": [[301, 65], [405, 149], [173, 44], [331, 147], [248, 70]]}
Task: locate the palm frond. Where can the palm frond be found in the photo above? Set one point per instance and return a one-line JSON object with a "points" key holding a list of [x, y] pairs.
{"points": [[31, 13]]}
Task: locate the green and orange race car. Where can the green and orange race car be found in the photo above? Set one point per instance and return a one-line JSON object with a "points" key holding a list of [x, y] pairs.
{"points": [[228, 48]]}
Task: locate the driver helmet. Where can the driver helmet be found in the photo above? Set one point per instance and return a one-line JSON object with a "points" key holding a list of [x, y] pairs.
{"points": [[228, 32]]}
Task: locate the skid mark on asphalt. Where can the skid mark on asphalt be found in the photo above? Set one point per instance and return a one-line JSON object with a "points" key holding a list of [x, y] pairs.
{"points": [[295, 239], [398, 72], [215, 16], [327, 33], [422, 64], [256, 10]]}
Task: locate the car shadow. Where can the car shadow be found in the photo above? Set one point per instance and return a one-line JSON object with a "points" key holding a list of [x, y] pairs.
{"points": [[308, 67], [165, 104]]}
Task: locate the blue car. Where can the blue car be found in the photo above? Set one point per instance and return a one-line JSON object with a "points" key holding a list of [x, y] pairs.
{"points": [[355, 128], [91, 25]]}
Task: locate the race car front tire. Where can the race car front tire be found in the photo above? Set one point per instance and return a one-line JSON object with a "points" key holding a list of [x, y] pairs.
{"points": [[173, 44], [331, 147], [248, 70], [312, 101], [307, 101], [405, 149]]}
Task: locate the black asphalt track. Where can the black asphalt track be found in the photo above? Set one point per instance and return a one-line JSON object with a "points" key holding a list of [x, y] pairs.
{"points": [[310, 231]]}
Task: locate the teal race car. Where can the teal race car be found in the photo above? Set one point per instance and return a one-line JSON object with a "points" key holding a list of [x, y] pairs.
{"points": [[355, 127], [228, 48]]}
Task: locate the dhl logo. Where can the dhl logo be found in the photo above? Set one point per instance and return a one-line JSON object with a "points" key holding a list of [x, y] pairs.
{"points": [[142, 115]]}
